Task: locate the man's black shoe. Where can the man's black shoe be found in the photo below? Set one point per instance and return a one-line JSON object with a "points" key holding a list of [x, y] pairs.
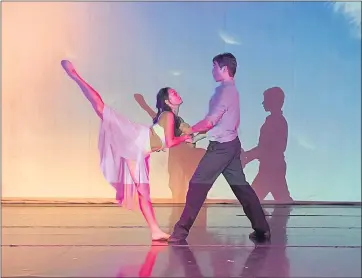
{"points": [[260, 236]]}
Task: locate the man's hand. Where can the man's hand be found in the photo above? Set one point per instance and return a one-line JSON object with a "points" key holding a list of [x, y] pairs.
{"points": [[188, 131], [185, 128]]}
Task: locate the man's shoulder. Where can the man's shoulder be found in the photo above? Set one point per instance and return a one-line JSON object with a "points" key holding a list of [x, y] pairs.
{"points": [[226, 89]]}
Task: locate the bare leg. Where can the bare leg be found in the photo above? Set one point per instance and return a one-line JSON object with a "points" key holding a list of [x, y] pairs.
{"points": [[91, 94], [147, 211]]}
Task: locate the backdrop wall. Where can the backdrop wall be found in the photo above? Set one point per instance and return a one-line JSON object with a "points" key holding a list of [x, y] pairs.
{"points": [[312, 51]]}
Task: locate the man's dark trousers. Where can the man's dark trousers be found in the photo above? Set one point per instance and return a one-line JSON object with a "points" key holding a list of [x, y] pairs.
{"points": [[220, 158]]}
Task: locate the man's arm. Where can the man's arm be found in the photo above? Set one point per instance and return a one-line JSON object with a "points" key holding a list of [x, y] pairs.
{"points": [[215, 113]]}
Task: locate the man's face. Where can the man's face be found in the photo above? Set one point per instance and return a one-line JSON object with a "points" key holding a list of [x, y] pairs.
{"points": [[217, 72]]}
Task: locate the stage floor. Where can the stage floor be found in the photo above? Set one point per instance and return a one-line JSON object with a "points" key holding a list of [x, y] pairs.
{"points": [[107, 241]]}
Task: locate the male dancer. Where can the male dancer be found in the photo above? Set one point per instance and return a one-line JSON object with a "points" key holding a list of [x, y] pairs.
{"points": [[222, 155]]}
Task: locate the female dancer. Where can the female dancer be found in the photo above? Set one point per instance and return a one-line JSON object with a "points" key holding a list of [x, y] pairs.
{"points": [[125, 147], [144, 105], [182, 160]]}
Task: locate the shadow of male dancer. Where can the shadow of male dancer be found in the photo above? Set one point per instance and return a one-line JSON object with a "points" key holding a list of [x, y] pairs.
{"points": [[270, 150]]}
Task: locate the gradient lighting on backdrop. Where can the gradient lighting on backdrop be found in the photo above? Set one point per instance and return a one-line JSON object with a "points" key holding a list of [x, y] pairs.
{"points": [[310, 50]]}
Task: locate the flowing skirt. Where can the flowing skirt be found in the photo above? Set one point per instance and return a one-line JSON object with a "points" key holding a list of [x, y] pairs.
{"points": [[124, 149]]}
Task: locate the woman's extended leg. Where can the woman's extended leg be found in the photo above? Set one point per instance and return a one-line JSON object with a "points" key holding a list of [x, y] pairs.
{"points": [[91, 94], [147, 211]]}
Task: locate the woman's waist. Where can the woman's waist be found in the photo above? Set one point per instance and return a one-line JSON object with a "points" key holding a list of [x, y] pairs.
{"points": [[156, 144]]}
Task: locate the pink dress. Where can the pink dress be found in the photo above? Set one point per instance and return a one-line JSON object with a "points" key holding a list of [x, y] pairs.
{"points": [[124, 149]]}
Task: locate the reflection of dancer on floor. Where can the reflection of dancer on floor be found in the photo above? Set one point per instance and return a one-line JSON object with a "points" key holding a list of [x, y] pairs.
{"points": [[270, 150], [147, 267], [183, 256], [266, 255], [125, 147]]}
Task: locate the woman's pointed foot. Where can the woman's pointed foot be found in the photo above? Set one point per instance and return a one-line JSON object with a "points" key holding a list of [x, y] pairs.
{"points": [[69, 68]]}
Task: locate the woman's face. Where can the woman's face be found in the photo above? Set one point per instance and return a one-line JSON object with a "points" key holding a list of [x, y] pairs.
{"points": [[174, 98]]}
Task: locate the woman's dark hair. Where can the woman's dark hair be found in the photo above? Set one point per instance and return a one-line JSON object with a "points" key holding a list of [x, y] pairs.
{"points": [[162, 106]]}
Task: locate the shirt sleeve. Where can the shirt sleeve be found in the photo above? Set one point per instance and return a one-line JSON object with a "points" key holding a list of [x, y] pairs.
{"points": [[218, 107]]}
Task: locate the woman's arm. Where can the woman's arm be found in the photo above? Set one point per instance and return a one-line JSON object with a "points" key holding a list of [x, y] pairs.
{"points": [[167, 121]]}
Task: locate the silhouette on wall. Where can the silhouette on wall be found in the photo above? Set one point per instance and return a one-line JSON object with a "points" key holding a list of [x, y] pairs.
{"points": [[182, 160], [270, 150]]}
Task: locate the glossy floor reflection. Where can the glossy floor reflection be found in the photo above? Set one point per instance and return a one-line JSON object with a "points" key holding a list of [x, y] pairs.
{"points": [[101, 241]]}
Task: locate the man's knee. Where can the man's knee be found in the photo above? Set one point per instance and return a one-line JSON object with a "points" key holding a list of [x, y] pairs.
{"points": [[197, 177], [244, 191], [200, 184], [201, 176], [239, 184]]}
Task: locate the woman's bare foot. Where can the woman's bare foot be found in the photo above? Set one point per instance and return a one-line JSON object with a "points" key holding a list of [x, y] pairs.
{"points": [[69, 68], [160, 236]]}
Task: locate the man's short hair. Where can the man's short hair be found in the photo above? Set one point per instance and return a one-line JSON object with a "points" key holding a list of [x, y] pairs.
{"points": [[227, 60]]}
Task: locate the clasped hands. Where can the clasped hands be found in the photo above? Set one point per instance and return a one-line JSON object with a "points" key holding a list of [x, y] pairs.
{"points": [[187, 130]]}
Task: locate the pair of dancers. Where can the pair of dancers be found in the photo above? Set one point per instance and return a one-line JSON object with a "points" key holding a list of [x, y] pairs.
{"points": [[125, 148]]}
